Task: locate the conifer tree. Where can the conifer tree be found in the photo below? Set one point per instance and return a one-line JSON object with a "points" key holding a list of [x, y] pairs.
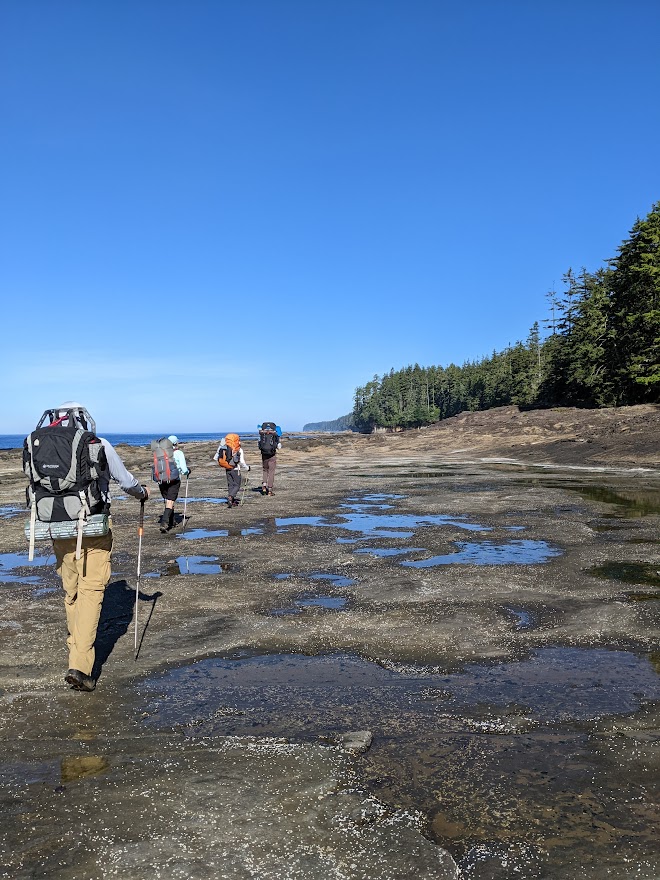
{"points": [[634, 289]]}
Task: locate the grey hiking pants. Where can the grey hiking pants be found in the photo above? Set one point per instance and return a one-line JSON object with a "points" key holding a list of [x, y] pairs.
{"points": [[268, 463], [233, 483]]}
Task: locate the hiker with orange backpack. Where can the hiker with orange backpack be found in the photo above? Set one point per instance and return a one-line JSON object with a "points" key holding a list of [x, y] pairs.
{"points": [[230, 456]]}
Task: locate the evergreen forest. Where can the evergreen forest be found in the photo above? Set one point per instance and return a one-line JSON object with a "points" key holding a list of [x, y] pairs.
{"points": [[600, 346]]}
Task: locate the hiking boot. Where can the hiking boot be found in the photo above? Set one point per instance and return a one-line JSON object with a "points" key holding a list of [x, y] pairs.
{"points": [[270, 492], [264, 490], [167, 520], [230, 501], [79, 681]]}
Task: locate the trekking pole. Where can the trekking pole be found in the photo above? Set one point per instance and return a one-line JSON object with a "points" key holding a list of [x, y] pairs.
{"points": [[245, 485], [185, 504], [137, 582]]}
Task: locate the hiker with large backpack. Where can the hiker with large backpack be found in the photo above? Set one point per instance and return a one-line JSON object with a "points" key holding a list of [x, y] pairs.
{"points": [[269, 443], [69, 468], [229, 456], [169, 465]]}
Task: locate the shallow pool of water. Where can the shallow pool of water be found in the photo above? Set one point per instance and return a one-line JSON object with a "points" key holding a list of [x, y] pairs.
{"points": [[523, 618], [192, 565], [380, 525], [488, 553], [629, 503], [337, 580], [641, 573], [196, 534], [208, 499], [304, 601], [287, 692], [9, 511], [505, 759], [389, 551], [11, 561]]}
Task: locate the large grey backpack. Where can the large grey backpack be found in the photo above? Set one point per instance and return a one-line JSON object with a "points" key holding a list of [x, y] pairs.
{"points": [[64, 463], [164, 469]]}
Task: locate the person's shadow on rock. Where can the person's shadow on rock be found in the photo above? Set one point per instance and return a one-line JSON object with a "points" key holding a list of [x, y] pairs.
{"points": [[117, 614]]}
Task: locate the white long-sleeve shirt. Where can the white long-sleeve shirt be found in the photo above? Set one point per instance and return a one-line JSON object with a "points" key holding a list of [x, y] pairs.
{"points": [[242, 464]]}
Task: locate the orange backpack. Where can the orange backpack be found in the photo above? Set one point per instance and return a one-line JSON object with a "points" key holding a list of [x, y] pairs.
{"points": [[226, 453], [224, 458]]}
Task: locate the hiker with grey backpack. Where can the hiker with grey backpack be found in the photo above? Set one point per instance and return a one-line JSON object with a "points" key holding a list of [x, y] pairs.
{"points": [[169, 465], [69, 469]]}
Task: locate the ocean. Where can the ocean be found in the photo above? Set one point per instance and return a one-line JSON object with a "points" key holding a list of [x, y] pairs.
{"points": [[15, 441]]}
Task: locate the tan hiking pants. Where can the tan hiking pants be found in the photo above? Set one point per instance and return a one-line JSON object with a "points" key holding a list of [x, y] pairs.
{"points": [[269, 463], [84, 581]]}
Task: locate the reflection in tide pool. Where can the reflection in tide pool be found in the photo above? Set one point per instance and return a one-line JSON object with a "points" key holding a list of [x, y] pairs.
{"points": [[332, 603], [380, 525], [192, 565], [209, 499], [488, 553], [194, 534], [10, 561], [327, 603], [523, 619], [640, 573], [554, 685], [337, 580], [9, 512]]}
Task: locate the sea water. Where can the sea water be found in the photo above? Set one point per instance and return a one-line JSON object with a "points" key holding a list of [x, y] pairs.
{"points": [[15, 441]]}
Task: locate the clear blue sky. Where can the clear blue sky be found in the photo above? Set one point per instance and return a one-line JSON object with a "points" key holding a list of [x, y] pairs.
{"points": [[218, 212]]}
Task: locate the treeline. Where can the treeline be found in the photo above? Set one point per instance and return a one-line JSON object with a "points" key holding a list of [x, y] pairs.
{"points": [[343, 423], [602, 348]]}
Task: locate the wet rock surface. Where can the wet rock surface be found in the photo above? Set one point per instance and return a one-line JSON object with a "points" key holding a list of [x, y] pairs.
{"points": [[311, 700]]}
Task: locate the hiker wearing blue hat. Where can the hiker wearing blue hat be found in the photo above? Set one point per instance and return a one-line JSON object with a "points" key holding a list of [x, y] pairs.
{"points": [[169, 465]]}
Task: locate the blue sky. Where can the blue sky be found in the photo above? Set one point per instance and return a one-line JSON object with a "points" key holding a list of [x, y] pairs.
{"points": [[216, 213]]}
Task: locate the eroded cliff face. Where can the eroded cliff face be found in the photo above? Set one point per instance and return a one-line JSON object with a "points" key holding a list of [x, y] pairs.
{"points": [[408, 662]]}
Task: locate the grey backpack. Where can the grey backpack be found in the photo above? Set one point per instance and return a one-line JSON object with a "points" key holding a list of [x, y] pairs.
{"points": [[64, 463], [164, 469]]}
